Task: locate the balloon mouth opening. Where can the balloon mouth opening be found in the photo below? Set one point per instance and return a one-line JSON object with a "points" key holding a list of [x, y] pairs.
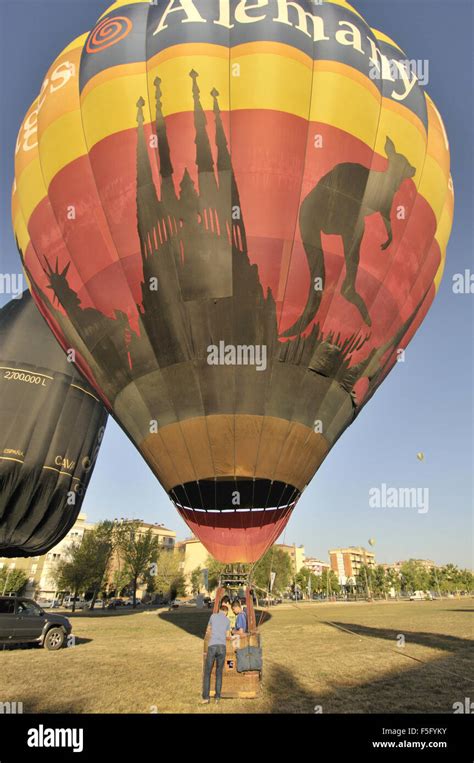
{"points": [[234, 494]]}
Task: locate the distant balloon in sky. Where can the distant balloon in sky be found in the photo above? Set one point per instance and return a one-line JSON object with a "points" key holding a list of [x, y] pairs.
{"points": [[51, 427], [420, 456], [237, 215], [371, 541]]}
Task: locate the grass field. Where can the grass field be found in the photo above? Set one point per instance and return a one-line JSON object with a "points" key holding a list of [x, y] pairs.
{"points": [[342, 657]]}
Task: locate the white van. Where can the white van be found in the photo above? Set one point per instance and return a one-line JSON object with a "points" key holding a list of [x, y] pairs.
{"points": [[421, 596]]}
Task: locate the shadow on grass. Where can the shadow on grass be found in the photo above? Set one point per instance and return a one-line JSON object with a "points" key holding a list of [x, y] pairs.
{"points": [[78, 640], [194, 621], [287, 694], [471, 611], [427, 688], [431, 640], [417, 686], [64, 705], [82, 640], [262, 616], [121, 611]]}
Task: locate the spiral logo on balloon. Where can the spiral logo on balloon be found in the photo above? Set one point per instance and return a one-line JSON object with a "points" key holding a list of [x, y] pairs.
{"points": [[109, 32]]}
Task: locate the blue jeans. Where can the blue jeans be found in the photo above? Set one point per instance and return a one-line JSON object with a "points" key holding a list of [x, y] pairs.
{"points": [[217, 653]]}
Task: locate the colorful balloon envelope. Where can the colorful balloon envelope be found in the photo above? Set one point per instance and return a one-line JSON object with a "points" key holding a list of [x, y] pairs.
{"points": [[237, 215], [51, 427]]}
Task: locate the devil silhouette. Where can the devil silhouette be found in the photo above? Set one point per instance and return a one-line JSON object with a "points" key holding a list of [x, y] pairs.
{"points": [[339, 204]]}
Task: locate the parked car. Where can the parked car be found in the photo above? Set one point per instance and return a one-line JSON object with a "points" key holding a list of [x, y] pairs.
{"points": [[44, 603], [83, 604], [420, 596], [23, 621], [160, 601], [177, 603], [68, 602], [114, 603], [268, 601], [129, 603]]}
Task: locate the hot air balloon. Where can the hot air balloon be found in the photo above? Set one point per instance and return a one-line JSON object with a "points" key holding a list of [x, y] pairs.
{"points": [[420, 456], [51, 426], [371, 541], [237, 216]]}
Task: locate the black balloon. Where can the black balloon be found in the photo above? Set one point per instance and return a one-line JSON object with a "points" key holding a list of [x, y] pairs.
{"points": [[51, 427]]}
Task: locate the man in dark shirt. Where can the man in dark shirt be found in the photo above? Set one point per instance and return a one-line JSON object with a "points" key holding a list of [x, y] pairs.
{"points": [[219, 633]]}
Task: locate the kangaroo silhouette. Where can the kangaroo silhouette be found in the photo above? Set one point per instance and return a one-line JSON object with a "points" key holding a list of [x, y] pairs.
{"points": [[339, 204]]}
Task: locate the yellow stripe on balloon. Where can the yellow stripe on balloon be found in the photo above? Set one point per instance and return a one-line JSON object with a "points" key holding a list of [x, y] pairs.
{"points": [[406, 115], [405, 133], [109, 75], [31, 188], [62, 143], [27, 140], [434, 183], [345, 103], [19, 225], [190, 49], [437, 124], [111, 107], [271, 82], [444, 231]]}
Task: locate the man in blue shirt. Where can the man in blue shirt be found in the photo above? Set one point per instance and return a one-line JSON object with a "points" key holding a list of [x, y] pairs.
{"points": [[240, 619], [219, 626]]}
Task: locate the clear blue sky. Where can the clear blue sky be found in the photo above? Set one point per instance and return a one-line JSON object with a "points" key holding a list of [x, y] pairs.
{"points": [[425, 404]]}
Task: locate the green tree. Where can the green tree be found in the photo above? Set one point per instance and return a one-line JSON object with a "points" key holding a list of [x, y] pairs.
{"points": [[120, 579], [215, 569], [167, 574], [393, 581], [304, 580], [317, 583], [98, 546], [415, 577], [72, 573], [434, 581], [178, 586], [85, 566], [138, 551], [329, 582], [196, 580], [466, 580], [12, 581], [450, 578], [380, 581], [365, 579], [277, 561]]}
